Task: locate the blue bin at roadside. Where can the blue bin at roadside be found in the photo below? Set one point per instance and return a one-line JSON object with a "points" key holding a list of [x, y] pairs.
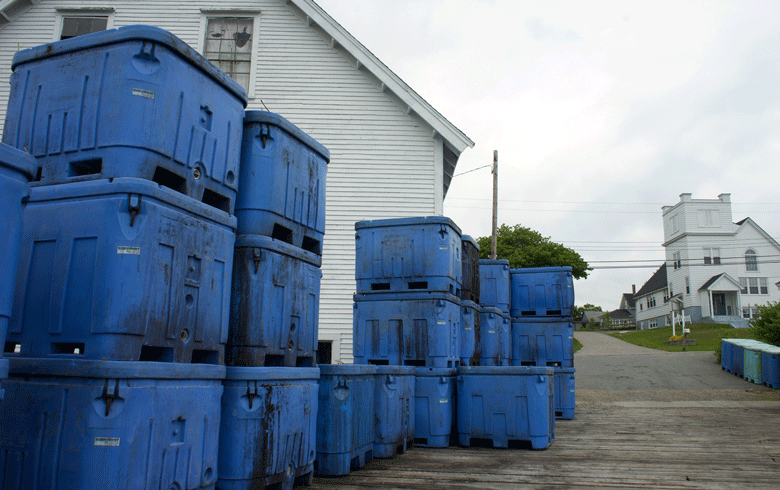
{"points": [[542, 341], [752, 364], [727, 355], [16, 170], [434, 405], [495, 337], [85, 424], [470, 333], [268, 428], [122, 270], [282, 189], [393, 410], [408, 254], [564, 391], [129, 102], [494, 284], [274, 305], [770, 366], [506, 406], [345, 418], [542, 291]]}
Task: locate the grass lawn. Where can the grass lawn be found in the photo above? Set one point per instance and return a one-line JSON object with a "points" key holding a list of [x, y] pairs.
{"points": [[707, 336], [577, 345]]}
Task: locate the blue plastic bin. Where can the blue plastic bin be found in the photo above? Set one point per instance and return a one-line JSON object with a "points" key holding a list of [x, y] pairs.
{"points": [[506, 405], [129, 102], [564, 393], [415, 329], [345, 418], [434, 406], [542, 291], [470, 283], [738, 355], [470, 333], [752, 363], [122, 270], [770, 366], [727, 355], [393, 410], [494, 284], [495, 337], [16, 170], [408, 254], [542, 341], [84, 424], [282, 188], [274, 305], [268, 429]]}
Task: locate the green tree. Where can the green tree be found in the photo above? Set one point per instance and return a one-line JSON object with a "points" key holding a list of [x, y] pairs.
{"points": [[524, 247], [580, 310], [766, 323]]}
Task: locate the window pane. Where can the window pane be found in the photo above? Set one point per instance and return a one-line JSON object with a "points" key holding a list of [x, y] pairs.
{"points": [[228, 45], [78, 26], [751, 261]]}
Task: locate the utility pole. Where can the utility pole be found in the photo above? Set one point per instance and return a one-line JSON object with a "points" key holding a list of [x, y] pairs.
{"points": [[494, 247]]}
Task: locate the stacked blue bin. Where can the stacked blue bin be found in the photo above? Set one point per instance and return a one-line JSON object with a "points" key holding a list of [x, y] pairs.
{"points": [[752, 360], [495, 327], [407, 312], [269, 409], [542, 305], [117, 333], [470, 338]]}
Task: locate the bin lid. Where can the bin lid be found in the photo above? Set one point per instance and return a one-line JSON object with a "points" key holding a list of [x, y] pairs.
{"points": [[415, 221], [256, 117], [506, 370], [92, 368], [346, 369], [395, 370], [18, 160], [469, 240], [415, 295], [131, 33], [494, 262], [540, 270], [434, 371], [262, 373], [278, 246], [464, 303]]}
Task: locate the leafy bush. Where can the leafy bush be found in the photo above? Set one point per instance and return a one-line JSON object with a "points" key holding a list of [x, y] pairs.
{"points": [[766, 323]]}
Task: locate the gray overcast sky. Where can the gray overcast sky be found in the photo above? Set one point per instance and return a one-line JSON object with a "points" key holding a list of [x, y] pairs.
{"points": [[601, 112]]}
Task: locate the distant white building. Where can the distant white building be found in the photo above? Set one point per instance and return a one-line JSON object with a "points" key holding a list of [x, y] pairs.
{"points": [[652, 302], [392, 154]]}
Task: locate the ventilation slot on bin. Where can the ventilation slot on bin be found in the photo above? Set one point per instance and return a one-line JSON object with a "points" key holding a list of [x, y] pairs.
{"points": [[215, 200], [272, 360], [414, 362], [150, 353], [86, 167], [553, 364], [418, 285], [205, 356], [528, 313], [282, 233], [554, 313], [67, 348], [380, 286], [379, 362], [518, 444], [12, 348], [166, 178], [304, 362], [38, 175], [311, 245], [527, 363]]}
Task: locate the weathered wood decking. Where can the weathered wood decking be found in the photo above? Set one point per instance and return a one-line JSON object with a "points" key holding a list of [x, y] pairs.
{"points": [[713, 442]]}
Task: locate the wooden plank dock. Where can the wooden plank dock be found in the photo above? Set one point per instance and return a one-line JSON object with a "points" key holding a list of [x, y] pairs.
{"points": [[715, 439]]}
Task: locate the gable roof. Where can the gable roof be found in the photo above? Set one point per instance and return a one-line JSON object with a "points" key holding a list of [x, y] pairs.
{"points": [[655, 283], [620, 315], [712, 280], [766, 235], [629, 299]]}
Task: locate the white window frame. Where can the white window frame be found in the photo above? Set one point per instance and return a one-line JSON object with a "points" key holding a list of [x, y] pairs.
{"points": [[687, 285], [206, 14], [677, 261], [751, 260], [108, 13], [711, 255]]}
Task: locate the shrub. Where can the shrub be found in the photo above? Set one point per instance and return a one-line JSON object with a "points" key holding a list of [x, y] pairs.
{"points": [[766, 323]]}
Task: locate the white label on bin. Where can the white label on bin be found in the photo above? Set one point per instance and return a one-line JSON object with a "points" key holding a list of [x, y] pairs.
{"points": [[491, 331], [128, 250], [466, 328], [444, 400], [107, 441], [143, 93], [443, 247], [441, 322]]}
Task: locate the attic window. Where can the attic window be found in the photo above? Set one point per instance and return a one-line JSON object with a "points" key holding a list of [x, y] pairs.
{"points": [[228, 44], [78, 25]]}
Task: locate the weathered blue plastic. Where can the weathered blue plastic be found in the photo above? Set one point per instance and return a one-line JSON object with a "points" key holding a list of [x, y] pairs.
{"points": [[16, 170], [415, 329], [84, 424], [542, 291], [393, 410], [506, 405], [408, 254], [564, 393], [345, 418], [274, 305], [494, 284], [752, 363], [122, 270], [434, 406], [727, 355], [738, 356], [268, 429], [3, 375], [495, 337], [282, 188], [470, 283], [770, 366], [470, 334], [129, 102], [542, 341]]}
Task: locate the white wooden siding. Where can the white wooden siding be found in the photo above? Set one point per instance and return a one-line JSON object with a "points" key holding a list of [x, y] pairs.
{"points": [[382, 158]]}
